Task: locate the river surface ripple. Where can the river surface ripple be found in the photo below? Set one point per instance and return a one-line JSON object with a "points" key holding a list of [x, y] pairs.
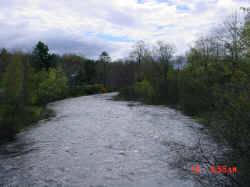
{"points": [[96, 142]]}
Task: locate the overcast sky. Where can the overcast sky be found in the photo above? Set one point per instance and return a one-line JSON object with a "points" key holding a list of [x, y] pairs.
{"points": [[88, 27]]}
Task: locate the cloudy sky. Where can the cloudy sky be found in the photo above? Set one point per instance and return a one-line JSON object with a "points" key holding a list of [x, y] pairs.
{"points": [[88, 27]]}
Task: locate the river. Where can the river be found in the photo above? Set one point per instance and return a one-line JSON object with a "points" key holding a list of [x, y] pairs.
{"points": [[96, 142]]}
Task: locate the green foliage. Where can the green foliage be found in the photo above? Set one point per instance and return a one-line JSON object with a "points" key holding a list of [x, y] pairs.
{"points": [[90, 89], [1, 84], [41, 58], [29, 81], [145, 90], [22, 88], [90, 71], [14, 80], [36, 113], [127, 93], [141, 90], [87, 90], [14, 103], [100, 88], [54, 85], [245, 34]]}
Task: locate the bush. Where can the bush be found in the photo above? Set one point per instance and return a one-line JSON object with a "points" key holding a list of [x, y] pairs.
{"points": [[77, 91], [141, 90], [54, 86], [127, 93], [100, 88], [11, 120], [145, 91], [90, 89]]}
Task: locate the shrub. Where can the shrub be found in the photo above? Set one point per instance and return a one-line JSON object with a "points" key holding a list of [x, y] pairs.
{"points": [[53, 86], [87, 90], [127, 93], [90, 89], [100, 88], [145, 91]]}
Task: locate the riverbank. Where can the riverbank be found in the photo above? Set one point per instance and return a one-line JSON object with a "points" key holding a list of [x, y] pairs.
{"points": [[14, 119], [33, 115]]}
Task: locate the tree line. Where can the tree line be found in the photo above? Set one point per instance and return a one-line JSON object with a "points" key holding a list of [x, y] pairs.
{"points": [[29, 81]]}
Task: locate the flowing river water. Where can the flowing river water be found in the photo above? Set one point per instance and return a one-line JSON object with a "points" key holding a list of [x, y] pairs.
{"points": [[96, 142]]}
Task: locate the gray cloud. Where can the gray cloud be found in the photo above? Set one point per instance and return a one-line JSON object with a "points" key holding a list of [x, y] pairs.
{"points": [[120, 18], [21, 37], [202, 7], [64, 25], [65, 43]]}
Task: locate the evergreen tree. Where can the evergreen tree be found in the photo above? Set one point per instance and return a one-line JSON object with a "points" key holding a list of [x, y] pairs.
{"points": [[41, 58]]}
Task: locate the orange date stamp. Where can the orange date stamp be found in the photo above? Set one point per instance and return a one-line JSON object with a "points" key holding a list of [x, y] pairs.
{"points": [[217, 169]]}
